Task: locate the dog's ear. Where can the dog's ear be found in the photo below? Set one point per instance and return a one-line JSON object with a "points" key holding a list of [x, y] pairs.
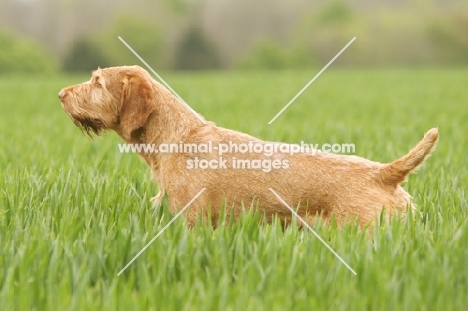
{"points": [[137, 104]]}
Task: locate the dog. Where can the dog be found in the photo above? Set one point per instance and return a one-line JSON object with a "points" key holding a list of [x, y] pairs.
{"points": [[130, 102]]}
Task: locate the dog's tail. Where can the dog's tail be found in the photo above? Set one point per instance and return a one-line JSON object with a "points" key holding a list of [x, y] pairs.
{"points": [[395, 173]]}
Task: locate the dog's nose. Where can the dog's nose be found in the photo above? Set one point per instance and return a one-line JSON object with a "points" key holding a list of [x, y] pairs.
{"points": [[62, 94]]}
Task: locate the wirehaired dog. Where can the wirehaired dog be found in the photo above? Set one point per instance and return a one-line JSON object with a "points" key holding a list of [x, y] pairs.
{"points": [[128, 101]]}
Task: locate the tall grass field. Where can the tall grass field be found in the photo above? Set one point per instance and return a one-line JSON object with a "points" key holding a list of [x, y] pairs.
{"points": [[75, 211]]}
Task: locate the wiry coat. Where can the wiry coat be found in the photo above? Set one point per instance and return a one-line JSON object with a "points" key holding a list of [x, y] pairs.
{"points": [[128, 101]]}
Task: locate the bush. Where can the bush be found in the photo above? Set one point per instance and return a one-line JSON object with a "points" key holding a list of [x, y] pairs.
{"points": [[315, 39], [20, 55], [338, 12], [265, 54], [448, 36], [270, 55], [324, 32]]}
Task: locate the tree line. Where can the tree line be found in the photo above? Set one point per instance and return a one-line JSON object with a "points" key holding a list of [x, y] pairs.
{"points": [[51, 35]]}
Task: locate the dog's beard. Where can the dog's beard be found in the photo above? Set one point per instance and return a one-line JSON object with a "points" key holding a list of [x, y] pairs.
{"points": [[88, 125]]}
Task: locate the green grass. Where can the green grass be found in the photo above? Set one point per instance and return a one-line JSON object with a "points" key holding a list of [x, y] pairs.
{"points": [[73, 211]]}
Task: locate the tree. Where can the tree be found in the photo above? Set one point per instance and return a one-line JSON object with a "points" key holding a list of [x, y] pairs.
{"points": [[196, 52], [84, 56]]}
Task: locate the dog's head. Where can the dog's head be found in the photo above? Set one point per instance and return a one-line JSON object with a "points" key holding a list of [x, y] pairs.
{"points": [[116, 98]]}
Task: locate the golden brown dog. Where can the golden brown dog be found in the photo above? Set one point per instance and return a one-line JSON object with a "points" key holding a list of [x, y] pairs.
{"points": [[128, 101]]}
